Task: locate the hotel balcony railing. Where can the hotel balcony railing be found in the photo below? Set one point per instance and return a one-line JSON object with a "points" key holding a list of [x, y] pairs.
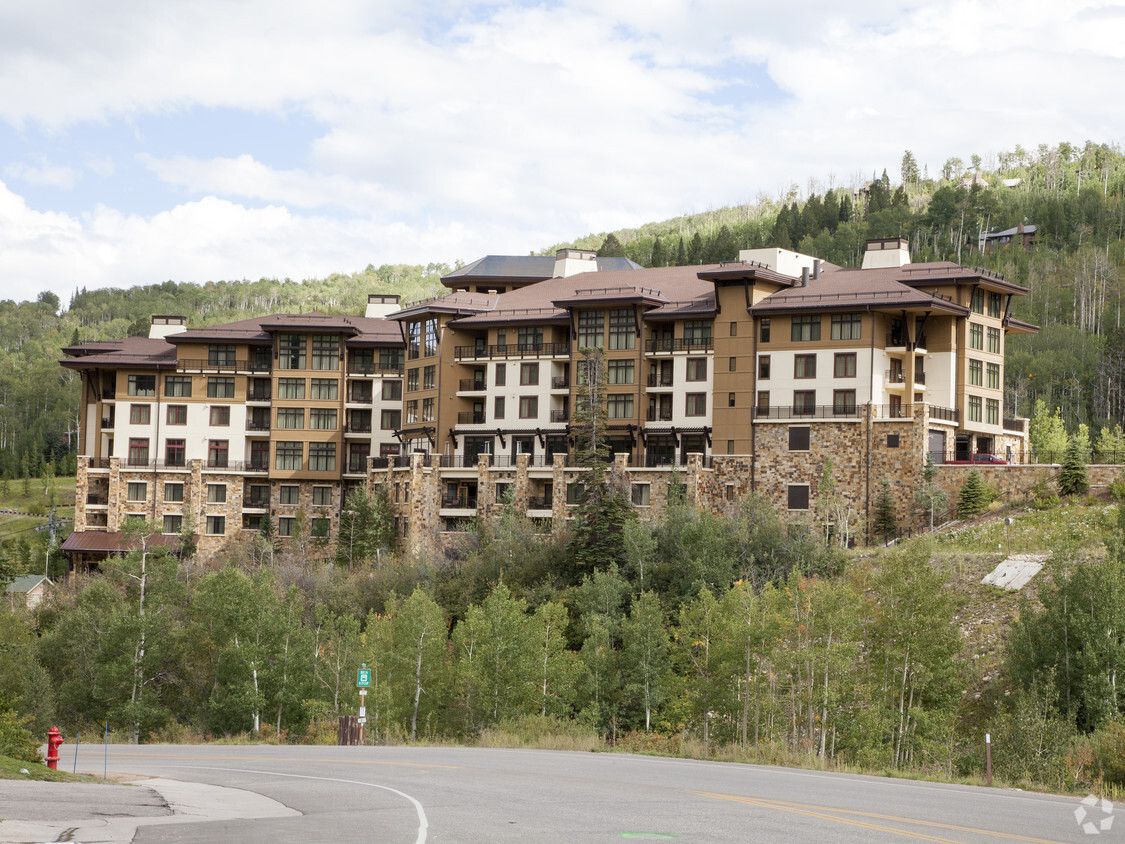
{"points": [[540, 502], [560, 383], [898, 376], [256, 503], [512, 350], [819, 411], [652, 460], [372, 368], [362, 398], [459, 502], [659, 380], [259, 395], [560, 415], [679, 344], [203, 365], [357, 427], [897, 340], [947, 414], [659, 415], [1013, 424], [471, 385], [470, 417], [257, 425], [97, 498]]}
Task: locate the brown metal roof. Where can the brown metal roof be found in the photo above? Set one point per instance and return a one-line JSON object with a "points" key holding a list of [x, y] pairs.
{"points": [[114, 542]]}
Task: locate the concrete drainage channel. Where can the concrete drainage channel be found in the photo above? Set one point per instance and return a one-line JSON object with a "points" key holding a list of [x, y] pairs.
{"points": [[1015, 572]]}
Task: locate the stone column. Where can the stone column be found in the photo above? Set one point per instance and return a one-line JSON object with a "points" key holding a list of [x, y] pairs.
{"points": [[81, 490], [522, 491], [558, 486], [116, 497], [694, 479]]}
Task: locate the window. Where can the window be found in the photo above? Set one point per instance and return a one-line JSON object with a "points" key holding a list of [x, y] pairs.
{"points": [[763, 401], [322, 419], [621, 372], [175, 453], [413, 340], [804, 366], [974, 408], [177, 386], [501, 374], [498, 408], [892, 440], [732, 365], [412, 380], [216, 525], [220, 355], [976, 336], [411, 411], [220, 387], [976, 373], [976, 303], [290, 418], [697, 332], [992, 411], [622, 329], [390, 420], [217, 452], [696, 404], [804, 329], [804, 401], [320, 527], [322, 457], [764, 367], [392, 390], [357, 457], [290, 388], [216, 493], [640, 495], [994, 340], [173, 524], [844, 365], [138, 451], [994, 305], [322, 496], [286, 525], [799, 438], [289, 456], [140, 414], [697, 369], [843, 401], [290, 495], [734, 329], [798, 496], [174, 493], [730, 399], [325, 352], [429, 377], [847, 326], [620, 406], [502, 490], [220, 414], [529, 374], [142, 385], [728, 490], [529, 407], [993, 372], [177, 414], [764, 331], [428, 410], [325, 389], [361, 392], [291, 351], [530, 337], [136, 491], [431, 337]]}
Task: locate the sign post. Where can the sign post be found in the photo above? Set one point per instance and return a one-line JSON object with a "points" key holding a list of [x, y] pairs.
{"points": [[363, 681]]}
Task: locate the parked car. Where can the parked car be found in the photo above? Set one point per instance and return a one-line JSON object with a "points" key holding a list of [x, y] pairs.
{"points": [[979, 459]]}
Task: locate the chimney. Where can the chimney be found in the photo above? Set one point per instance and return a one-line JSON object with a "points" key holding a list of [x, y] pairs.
{"points": [[573, 261], [379, 305], [162, 326], [816, 268], [886, 253], [804, 276]]}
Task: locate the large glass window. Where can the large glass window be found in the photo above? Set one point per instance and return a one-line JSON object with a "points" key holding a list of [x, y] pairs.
{"points": [[843, 401], [412, 380], [220, 387], [220, 355], [322, 418], [428, 410], [411, 411], [622, 329], [529, 407], [220, 415], [431, 337], [175, 452], [322, 457], [216, 525], [291, 351], [173, 523], [976, 304], [325, 389], [325, 351], [390, 420], [847, 326], [177, 414], [992, 411], [974, 409], [976, 336], [138, 451], [764, 367], [177, 386], [804, 401], [697, 332], [994, 305], [429, 377], [844, 365], [174, 493], [290, 388], [216, 493], [140, 414], [620, 406], [621, 372], [993, 372], [976, 373], [290, 456], [696, 404], [529, 374], [392, 390], [530, 337], [413, 339], [994, 340], [696, 369], [136, 491], [391, 360], [590, 325], [142, 385], [764, 331], [218, 452], [804, 366], [804, 329]]}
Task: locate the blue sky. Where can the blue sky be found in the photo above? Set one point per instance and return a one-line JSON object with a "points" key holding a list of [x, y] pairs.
{"points": [[219, 139]]}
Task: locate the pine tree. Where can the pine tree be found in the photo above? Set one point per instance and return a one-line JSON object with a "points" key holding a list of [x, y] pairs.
{"points": [[884, 522], [974, 498], [659, 256], [611, 247], [1072, 476]]}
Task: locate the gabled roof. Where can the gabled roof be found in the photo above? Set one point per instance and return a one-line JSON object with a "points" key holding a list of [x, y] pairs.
{"points": [[27, 583], [523, 268], [850, 289], [130, 352]]}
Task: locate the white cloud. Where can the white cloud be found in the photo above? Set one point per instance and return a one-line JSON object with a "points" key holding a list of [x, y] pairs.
{"points": [[44, 174]]}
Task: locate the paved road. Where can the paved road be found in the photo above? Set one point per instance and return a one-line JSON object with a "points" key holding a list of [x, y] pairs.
{"points": [[494, 795]]}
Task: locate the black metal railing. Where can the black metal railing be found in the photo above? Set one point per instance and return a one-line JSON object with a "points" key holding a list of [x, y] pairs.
{"points": [[560, 415], [357, 427], [679, 344], [369, 368], [470, 417], [459, 502], [257, 425], [256, 503], [659, 380], [659, 415], [202, 365], [898, 376], [560, 382], [512, 350], [540, 502], [96, 498], [259, 394], [818, 411], [471, 385]]}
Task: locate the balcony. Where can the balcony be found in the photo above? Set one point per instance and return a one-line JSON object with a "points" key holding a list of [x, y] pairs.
{"points": [[661, 415], [560, 383], [818, 411], [540, 502], [259, 394], [1013, 424], [560, 415], [372, 368], [471, 385], [662, 379], [459, 502], [512, 350], [258, 425], [354, 427], [252, 503], [470, 417], [898, 376], [97, 499], [201, 365], [897, 340], [679, 344], [359, 398]]}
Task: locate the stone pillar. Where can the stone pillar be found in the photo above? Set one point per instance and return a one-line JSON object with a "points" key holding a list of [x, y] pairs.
{"points": [[558, 485], [522, 490], [81, 490], [694, 478], [116, 497], [486, 489], [424, 504], [194, 496]]}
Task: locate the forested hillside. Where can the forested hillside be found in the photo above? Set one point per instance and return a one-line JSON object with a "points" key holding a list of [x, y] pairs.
{"points": [[1073, 271]]}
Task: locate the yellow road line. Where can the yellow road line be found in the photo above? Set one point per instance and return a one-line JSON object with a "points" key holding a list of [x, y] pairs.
{"points": [[822, 812], [282, 759]]}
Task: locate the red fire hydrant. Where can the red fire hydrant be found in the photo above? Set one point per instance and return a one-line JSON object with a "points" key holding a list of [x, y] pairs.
{"points": [[53, 742]]}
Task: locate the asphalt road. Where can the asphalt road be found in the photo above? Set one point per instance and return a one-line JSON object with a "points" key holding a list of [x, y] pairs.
{"points": [[405, 795]]}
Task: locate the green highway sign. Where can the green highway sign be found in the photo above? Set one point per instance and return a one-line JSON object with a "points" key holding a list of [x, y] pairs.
{"points": [[363, 678]]}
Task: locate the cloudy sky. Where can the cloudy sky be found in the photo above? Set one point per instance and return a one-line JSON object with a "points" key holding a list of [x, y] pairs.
{"points": [[220, 139]]}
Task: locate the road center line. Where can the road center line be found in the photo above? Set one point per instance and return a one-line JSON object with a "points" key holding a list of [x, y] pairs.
{"points": [[423, 824]]}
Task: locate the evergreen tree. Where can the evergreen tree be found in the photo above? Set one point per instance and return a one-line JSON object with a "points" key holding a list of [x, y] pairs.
{"points": [[659, 256], [1072, 475], [611, 247], [974, 498], [695, 249], [681, 256], [884, 522]]}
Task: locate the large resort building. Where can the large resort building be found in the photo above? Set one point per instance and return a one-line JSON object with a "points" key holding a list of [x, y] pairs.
{"points": [[739, 377]]}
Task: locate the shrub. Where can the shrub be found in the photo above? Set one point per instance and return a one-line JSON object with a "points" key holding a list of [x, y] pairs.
{"points": [[1117, 488], [1108, 752], [975, 496], [15, 739]]}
